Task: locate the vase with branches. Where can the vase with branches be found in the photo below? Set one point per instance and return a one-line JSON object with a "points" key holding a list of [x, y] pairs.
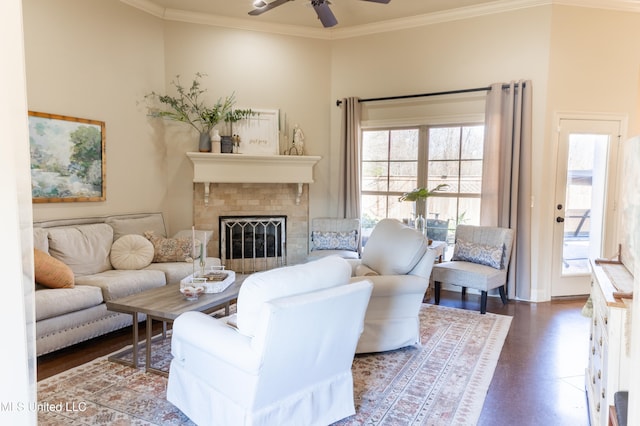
{"points": [[420, 195], [188, 107]]}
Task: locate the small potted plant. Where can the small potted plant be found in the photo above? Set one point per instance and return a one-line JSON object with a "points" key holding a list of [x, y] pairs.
{"points": [[188, 107], [228, 141]]}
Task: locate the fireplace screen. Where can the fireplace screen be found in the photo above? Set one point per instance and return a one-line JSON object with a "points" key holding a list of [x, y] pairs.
{"points": [[252, 243]]}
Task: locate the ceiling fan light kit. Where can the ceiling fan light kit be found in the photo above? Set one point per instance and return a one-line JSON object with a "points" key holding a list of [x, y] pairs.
{"points": [[325, 15]]}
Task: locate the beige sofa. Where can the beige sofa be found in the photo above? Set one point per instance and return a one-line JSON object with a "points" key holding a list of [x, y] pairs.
{"points": [[66, 316]]}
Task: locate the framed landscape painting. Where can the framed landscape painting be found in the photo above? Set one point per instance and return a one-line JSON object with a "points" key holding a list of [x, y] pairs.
{"points": [[67, 158]]}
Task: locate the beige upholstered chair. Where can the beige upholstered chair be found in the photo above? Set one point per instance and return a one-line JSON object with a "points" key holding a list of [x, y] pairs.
{"points": [[398, 261], [334, 236], [480, 260]]}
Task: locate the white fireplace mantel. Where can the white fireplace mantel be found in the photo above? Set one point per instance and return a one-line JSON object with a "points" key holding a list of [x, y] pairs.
{"points": [[242, 168]]}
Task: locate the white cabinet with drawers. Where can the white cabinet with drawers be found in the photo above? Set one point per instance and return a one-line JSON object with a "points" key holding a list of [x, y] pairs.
{"points": [[609, 361]]}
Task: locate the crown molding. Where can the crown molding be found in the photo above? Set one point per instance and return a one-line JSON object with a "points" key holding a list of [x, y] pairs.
{"points": [[147, 6], [468, 12], [243, 24], [618, 5], [462, 13], [178, 15]]}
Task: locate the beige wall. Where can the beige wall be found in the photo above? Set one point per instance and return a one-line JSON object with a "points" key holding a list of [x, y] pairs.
{"points": [[97, 59], [456, 55], [593, 70], [265, 71]]}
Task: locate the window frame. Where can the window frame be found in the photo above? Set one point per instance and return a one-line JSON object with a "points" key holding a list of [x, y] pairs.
{"points": [[422, 175]]}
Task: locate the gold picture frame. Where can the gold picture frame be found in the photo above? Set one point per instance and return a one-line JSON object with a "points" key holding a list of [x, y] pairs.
{"points": [[68, 161]]}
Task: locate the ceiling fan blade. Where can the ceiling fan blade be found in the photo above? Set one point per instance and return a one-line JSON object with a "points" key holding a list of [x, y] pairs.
{"points": [[269, 6], [379, 1], [324, 13]]}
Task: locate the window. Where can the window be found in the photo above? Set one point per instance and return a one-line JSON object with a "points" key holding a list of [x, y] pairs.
{"points": [[398, 160]]}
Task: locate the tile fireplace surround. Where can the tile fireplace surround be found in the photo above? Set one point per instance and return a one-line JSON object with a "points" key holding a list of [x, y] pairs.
{"points": [[262, 199], [246, 185]]}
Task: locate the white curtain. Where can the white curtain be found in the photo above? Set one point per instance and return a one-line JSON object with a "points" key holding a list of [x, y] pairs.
{"points": [[349, 199], [506, 175]]}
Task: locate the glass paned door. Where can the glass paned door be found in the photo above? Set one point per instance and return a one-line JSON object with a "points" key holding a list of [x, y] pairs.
{"points": [[583, 207]]}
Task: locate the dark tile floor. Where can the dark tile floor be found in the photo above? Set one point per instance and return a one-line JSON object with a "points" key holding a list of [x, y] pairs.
{"points": [[539, 379]]}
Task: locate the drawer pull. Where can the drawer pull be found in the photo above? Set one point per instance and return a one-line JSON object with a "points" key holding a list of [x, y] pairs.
{"points": [[606, 320], [593, 350], [600, 341], [603, 393], [599, 374], [598, 407]]}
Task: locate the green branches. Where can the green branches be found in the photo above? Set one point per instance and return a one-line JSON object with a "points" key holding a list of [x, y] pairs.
{"points": [[421, 193], [188, 107]]}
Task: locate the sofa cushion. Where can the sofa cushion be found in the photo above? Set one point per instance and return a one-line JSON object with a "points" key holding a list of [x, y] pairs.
{"points": [[262, 287], [131, 252], [84, 248], [51, 303], [473, 275], [393, 248], [176, 271], [41, 239], [137, 225], [50, 272], [116, 284], [173, 249]]}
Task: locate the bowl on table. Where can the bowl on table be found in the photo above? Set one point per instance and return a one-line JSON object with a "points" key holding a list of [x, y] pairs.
{"points": [[191, 291]]}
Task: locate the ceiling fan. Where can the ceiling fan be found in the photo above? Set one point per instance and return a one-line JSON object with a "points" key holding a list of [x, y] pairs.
{"points": [[321, 7]]}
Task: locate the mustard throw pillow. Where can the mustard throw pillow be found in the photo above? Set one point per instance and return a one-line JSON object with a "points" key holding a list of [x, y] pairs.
{"points": [[50, 272]]}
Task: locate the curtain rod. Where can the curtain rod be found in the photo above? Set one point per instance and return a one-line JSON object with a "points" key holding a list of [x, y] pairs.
{"points": [[422, 95]]}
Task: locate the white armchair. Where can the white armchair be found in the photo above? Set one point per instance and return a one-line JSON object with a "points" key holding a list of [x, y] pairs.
{"points": [[398, 261], [289, 360]]}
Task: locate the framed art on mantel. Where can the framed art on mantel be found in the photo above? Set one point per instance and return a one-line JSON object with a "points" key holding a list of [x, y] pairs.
{"points": [[67, 158], [258, 134]]}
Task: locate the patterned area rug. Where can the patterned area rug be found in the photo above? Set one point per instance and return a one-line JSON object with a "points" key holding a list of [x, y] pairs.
{"points": [[442, 382]]}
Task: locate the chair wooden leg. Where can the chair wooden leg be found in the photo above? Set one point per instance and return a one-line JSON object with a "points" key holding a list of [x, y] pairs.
{"points": [[436, 291], [464, 293], [483, 303], [503, 295]]}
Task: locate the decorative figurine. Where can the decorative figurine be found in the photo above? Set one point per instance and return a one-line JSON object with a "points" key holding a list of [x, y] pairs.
{"points": [[297, 147]]}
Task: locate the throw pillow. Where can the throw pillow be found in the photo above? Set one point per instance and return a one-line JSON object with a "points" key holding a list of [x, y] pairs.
{"points": [[323, 240], [50, 272], [173, 249], [131, 252], [478, 253]]}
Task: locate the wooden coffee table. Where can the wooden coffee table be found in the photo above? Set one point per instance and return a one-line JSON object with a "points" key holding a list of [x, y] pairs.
{"points": [[165, 304]]}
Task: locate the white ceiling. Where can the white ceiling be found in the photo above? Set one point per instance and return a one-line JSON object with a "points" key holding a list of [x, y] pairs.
{"points": [[300, 13], [355, 17]]}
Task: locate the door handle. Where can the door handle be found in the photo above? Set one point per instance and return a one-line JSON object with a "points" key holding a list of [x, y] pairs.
{"points": [[559, 219]]}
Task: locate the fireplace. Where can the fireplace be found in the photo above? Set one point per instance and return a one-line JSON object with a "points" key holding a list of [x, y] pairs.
{"points": [[252, 243]]}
